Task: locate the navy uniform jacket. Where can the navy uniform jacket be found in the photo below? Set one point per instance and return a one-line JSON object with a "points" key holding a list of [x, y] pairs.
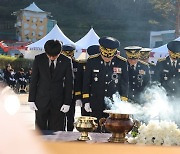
{"points": [[102, 80], [56, 90], [168, 76], [152, 67], [138, 80], [78, 79]]}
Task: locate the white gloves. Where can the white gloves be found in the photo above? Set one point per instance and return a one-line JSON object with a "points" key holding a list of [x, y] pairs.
{"points": [[33, 106], [78, 102], [87, 107], [65, 108]]}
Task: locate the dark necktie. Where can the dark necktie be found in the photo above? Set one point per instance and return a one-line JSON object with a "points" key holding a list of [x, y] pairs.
{"points": [[173, 64], [52, 68], [132, 67]]}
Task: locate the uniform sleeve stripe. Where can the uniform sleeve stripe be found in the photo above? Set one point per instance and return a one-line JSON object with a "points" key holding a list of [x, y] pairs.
{"points": [[77, 93], [85, 95]]}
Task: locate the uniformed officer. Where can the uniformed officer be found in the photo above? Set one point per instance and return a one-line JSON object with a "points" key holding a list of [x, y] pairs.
{"points": [[138, 74], [69, 50], [168, 70], [91, 50], [105, 75], [144, 56]]}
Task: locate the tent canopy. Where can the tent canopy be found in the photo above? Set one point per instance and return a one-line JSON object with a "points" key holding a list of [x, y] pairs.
{"points": [[91, 38], [54, 34], [161, 51], [38, 47]]}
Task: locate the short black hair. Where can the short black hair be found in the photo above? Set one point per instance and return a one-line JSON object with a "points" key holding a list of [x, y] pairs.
{"points": [[53, 47], [21, 69]]}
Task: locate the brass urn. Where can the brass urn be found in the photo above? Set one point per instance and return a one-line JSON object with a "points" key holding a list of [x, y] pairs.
{"points": [[119, 124], [85, 124]]}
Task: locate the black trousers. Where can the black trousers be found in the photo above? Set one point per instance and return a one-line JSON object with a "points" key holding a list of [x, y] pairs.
{"points": [[69, 120], [49, 118], [22, 84]]}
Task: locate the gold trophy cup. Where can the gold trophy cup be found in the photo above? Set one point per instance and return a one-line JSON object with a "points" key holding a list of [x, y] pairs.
{"points": [[85, 124]]}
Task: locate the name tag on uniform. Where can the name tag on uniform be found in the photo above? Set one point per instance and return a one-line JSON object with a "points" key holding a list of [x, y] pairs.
{"points": [[74, 69], [179, 70], [166, 71], [142, 72], [117, 70], [151, 72], [95, 71]]}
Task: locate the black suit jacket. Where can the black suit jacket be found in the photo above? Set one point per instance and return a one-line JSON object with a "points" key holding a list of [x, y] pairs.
{"points": [[44, 89]]}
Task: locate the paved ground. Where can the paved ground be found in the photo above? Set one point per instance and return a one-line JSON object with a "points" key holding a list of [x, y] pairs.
{"points": [[28, 115]]}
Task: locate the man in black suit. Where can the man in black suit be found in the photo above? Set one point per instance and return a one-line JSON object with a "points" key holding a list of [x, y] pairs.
{"points": [[50, 92]]}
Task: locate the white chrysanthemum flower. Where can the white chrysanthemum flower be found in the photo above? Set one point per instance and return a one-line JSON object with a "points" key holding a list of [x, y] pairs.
{"points": [[167, 141], [132, 140], [158, 141], [158, 133]]}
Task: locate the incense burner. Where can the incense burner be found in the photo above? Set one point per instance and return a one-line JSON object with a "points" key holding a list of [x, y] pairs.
{"points": [[85, 124], [118, 124]]}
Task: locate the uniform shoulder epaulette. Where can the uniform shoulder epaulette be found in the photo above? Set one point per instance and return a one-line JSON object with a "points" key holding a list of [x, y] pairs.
{"points": [[153, 64], [161, 59], [65, 56], [78, 61], [94, 56], [82, 61], [143, 62], [122, 58]]}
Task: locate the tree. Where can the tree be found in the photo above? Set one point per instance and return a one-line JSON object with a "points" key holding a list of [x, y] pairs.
{"points": [[169, 8]]}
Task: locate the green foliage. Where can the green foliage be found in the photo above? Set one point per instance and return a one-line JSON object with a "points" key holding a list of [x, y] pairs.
{"points": [[165, 7], [4, 60], [134, 134], [127, 20], [15, 62]]}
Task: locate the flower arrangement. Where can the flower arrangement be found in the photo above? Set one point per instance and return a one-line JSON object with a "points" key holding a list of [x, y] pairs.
{"points": [[157, 133]]}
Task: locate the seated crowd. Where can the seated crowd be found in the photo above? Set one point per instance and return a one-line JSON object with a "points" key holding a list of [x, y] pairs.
{"points": [[19, 80]]}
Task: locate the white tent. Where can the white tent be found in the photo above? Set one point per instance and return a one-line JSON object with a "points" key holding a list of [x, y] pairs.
{"points": [[83, 56], [38, 47], [160, 52], [91, 38]]}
